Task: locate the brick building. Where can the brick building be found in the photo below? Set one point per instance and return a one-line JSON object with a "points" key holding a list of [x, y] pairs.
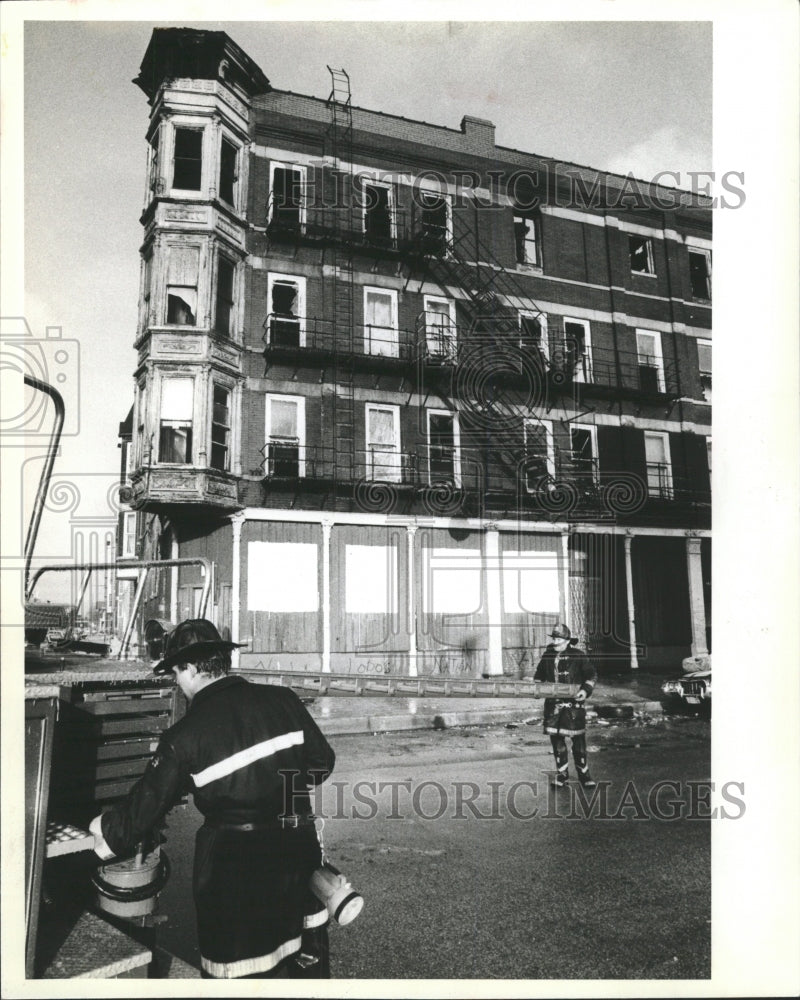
{"points": [[416, 395]]}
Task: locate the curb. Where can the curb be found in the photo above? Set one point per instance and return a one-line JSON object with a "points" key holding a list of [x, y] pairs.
{"points": [[357, 725]]}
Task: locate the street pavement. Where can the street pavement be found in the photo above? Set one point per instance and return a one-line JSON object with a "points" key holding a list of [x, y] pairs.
{"points": [[508, 882]]}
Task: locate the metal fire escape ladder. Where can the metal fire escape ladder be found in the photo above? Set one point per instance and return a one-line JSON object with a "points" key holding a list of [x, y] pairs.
{"points": [[339, 150], [494, 304]]}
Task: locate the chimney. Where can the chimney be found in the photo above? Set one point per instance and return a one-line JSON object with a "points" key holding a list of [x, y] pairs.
{"points": [[479, 134]]}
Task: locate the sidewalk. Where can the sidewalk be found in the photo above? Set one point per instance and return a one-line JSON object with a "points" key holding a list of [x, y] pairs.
{"points": [[617, 696]]}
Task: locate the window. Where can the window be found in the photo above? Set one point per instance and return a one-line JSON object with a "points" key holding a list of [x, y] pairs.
{"points": [[708, 455], [640, 249], [383, 443], [147, 277], [659, 466], [583, 447], [380, 322], [187, 168], [440, 327], [128, 535], [182, 271], [650, 362], [435, 222], [526, 238], [228, 155], [704, 366], [378, 218], [223, 310], [700, 273], [175, 430], [286, 436], [444, 460], [220, 428], [153, 179], [286, 295], [533, 333], [286, 209], [539, 453], [578, 349]]}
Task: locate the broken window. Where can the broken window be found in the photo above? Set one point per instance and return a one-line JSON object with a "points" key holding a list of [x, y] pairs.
{"points": [[434, 221], [227, 170], [700, 273], [533, 333], [380, 322], [704, 366], [526, 238], [175, 429], [182, 273], [640, 250], [583, 446], [443, 458], [659, 467], [577, 349], [378, 214], [220, 428], [650, 361], [539, 454], [285, 436], [383, 443], [188, 162], [286, 311], [286, 197], [440, 327], [223, 311]]}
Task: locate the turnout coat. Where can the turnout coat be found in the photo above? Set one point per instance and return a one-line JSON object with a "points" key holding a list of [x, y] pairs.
{"points": [[248, 752], [565, 716]]}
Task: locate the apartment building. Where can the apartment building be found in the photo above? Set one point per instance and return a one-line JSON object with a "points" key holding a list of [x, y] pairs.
{"points": [[416, 396]]}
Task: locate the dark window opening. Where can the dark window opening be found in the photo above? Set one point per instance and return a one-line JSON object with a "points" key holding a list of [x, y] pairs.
{"points": [[175, 427], [699, 275], [287, 197], [377, 215], [188, 165], [576, 352], [441, 436], [220, 429], [175, 442], [224, 304], [640, 249], [584, 461], [227, 171], [179, 306], [284, 323], [433, 216], [536, 464], [532, 335]]}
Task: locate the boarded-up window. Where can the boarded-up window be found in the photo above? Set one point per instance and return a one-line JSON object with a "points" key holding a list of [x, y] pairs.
{"points": [[188, 162], [530, 582], [183, 269], [452, 581], [380, 322], [282, 576], [371, 582], [383, 443]]}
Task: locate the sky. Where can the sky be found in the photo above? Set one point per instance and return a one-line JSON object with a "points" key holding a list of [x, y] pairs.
{"points": [[570, 90]]}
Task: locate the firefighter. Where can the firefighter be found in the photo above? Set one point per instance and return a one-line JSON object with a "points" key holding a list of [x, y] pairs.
{"points": [[249, 754], [562, 661]]}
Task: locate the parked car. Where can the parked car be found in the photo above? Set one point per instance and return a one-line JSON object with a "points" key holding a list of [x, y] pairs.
{"points": [[692, 689]]}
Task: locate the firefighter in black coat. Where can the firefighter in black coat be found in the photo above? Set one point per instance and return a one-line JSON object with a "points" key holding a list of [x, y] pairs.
{"points": [[564, 717], [249, 754]]}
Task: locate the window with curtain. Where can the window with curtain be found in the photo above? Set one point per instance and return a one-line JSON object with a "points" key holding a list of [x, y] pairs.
{"points": [[380, 322], [383, 443]]}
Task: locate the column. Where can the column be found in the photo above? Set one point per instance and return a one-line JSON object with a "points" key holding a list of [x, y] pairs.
{"points": [[697, 607], [629, 590], [565, 577], [494, 607], [327, 524], [411, 531]]}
